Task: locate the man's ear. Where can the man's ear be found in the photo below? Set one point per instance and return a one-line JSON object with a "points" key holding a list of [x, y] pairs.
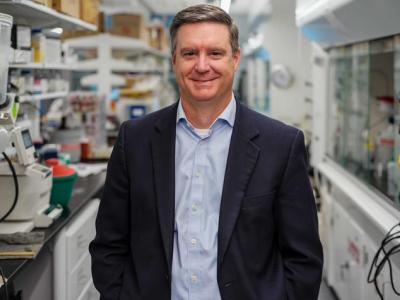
{"points": [[173, 60], [236, 58]]}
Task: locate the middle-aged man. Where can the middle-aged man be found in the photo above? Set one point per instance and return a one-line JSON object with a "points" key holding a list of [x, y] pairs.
{"points": [[206, 199]]}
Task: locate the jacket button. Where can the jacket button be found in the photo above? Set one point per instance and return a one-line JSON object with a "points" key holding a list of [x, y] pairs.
{"points": [[166, 277]]}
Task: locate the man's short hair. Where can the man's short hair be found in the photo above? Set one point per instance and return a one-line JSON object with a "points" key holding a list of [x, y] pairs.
{"points": [[204, 13]]}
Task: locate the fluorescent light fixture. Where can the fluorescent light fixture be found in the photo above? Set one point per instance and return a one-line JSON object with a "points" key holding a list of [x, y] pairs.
{"points": [[57, 30], [226, 5]]}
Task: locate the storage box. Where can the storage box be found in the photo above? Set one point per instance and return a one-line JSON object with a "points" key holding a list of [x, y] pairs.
{"points": [[128, 25], [70, 34], [22, 56], [90, 11], [156, 37], [69, 7], [53, 51], [21, 37], [48, 3]]}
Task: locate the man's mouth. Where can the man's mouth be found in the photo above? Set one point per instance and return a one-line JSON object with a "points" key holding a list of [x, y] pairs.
{"points": [[203, 80]]}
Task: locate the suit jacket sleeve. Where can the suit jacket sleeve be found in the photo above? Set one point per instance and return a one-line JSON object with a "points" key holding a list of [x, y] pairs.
{"points": [[298, 227], [110, 248]]}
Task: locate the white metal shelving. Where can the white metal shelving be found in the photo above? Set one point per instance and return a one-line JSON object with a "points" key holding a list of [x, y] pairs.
{"points": [[116, 42], [105, 65], [118, 65], [44, 66], [36, 15], [46, 96]]}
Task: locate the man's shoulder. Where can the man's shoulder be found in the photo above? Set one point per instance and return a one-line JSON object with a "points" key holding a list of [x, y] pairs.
{"points": [[148, 121]]}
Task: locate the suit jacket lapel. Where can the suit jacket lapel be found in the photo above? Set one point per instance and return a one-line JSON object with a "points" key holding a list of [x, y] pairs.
{"points": [[242, 157], [163, 151]]}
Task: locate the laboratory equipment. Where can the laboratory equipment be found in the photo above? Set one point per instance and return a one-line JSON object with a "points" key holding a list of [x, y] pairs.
{"points": [[5, 42], [25, 184], [63, 182], [363, 115]]}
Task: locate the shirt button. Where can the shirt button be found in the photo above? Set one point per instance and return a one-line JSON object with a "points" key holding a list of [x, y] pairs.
{"points": [[193, 278], [194, 207], [193, 242], [198, 174]]}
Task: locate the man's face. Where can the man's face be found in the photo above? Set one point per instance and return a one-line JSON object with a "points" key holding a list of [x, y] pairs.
{"points": [[203, 62]]}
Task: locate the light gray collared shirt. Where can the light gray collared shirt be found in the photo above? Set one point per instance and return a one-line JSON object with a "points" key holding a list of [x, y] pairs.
{"points": [[200, 162]]}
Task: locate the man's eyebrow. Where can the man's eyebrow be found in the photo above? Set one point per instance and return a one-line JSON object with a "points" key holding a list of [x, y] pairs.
{"points": [[187, 49], [217, 49]]}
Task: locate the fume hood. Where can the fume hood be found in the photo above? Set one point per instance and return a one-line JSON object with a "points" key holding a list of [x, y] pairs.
{"points": [[340, 22]]}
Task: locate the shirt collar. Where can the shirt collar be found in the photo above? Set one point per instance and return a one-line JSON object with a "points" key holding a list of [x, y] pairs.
{"points": [[227, 115]]}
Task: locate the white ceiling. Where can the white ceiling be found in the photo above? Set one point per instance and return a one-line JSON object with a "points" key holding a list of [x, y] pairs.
{"points": [[170, 7], [244, 12]]}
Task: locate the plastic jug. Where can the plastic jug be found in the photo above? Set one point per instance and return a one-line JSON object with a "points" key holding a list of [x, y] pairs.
{"points": [[5, 42]]}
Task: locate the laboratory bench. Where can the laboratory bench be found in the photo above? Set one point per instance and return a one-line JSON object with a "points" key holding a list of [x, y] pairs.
{"points": [[85, 190]]}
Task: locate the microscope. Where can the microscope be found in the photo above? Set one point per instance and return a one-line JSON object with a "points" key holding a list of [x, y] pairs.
{"points": [[25, 185]]}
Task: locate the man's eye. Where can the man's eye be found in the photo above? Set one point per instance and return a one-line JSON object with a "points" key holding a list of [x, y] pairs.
{"points": [[216, 53], [188, 54]]}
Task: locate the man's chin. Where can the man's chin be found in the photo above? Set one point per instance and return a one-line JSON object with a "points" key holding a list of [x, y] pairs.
{"points": [[203, 98]]}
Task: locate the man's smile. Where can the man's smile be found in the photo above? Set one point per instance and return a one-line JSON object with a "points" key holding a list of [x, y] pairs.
{"points": [[203, 80]]}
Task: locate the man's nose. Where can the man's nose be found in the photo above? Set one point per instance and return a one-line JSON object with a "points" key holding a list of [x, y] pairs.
{"points": [[202, 64]]}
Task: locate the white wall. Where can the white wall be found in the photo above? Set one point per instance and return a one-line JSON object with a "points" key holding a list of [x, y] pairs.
{"points": [[287, 46]]}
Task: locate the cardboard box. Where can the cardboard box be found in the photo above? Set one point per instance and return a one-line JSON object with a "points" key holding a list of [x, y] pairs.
{"points": [[70, 34], [157, 37], [48, 3], [90, 11], [128, 25], [69, 7]]}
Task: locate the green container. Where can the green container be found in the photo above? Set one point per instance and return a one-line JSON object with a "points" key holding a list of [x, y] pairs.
{"points": [[62, 189]]}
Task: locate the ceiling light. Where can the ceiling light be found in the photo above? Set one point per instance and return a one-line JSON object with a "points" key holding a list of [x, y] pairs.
{"points": [[57, 30], [225, 5]]}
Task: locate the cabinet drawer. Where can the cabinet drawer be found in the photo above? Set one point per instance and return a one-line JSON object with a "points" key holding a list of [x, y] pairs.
{"points": [[79, 234]]}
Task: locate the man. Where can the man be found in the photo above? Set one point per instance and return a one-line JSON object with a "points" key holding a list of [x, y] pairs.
{"points": [[207, 199]]}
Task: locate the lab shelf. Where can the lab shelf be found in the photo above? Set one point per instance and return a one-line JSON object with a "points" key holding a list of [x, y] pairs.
{"points": [[106, 65], [115, 42], [49, 96], [36, 15], [118, 65], [44, 66]]}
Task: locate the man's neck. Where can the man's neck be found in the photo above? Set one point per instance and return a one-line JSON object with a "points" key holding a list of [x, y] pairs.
{"points": [[203, 115]]}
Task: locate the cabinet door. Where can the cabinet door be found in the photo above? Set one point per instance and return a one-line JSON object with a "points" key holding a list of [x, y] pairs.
{"points": [[389, 294], [340, 259], [370, 293]]}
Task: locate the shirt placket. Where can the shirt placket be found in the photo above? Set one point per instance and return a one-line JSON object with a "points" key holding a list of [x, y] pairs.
{"points": [[196, 214]]}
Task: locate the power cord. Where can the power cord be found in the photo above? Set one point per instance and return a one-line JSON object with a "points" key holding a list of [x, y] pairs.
{"points": [[16, 187], [378, 264]]}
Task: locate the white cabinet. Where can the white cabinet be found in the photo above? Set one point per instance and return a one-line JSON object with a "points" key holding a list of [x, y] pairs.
{"points": [[350, 246], [72, 266], [348, 252]]}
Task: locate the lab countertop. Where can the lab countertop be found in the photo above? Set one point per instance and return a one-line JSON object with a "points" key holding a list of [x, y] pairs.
{"points": [[85, 189]]}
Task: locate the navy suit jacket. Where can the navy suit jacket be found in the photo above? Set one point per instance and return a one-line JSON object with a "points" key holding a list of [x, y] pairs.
{"points": [[268, 242]]}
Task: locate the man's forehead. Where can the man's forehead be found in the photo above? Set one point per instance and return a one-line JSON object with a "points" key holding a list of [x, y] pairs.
{"points": [[197, 34]]}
